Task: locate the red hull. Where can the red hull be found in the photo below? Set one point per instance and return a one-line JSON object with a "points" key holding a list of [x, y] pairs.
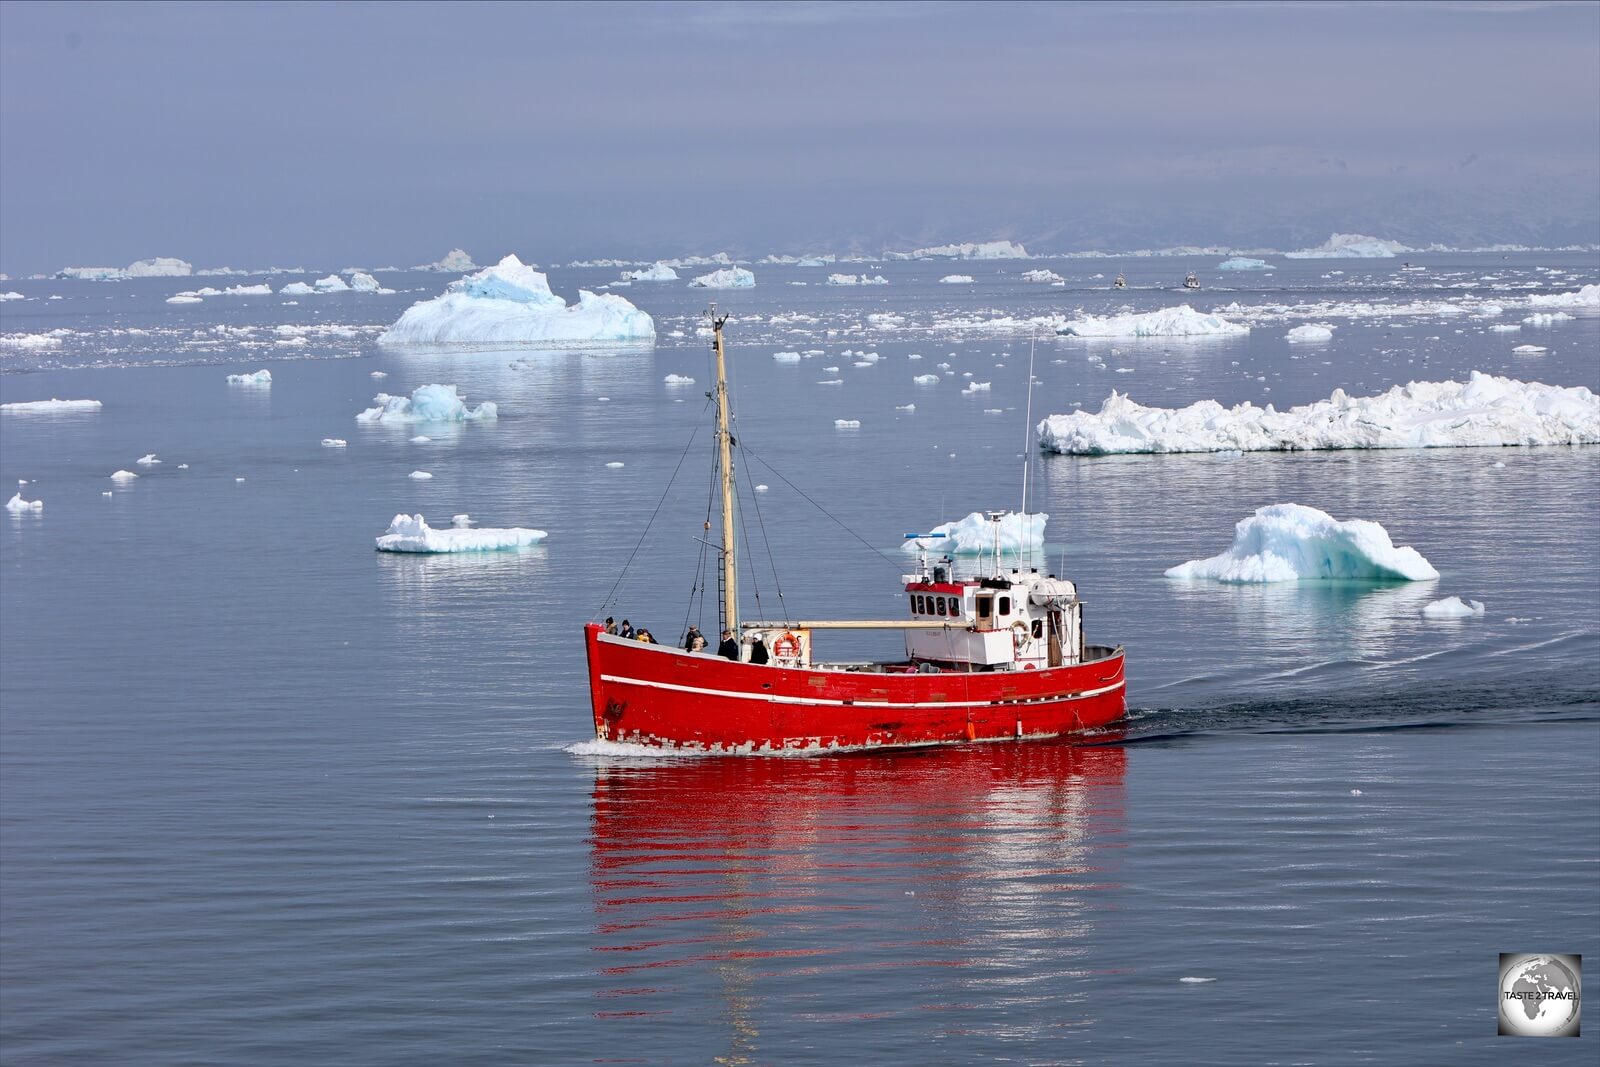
{"points": [[665, 697]]}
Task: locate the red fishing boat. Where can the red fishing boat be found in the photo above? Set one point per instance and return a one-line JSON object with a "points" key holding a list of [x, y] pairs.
{"points": [[996, 657]]}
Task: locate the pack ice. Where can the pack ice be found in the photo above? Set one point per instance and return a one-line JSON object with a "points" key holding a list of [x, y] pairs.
{"points": [[511, 303], [975, 534], [1483, 412], [409, 533], [51, 407], [427, 403], [1181, 321], [1293, 543]]}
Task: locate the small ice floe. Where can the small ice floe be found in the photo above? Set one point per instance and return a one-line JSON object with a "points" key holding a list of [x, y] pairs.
{"points": [[830, 381], [1505, 327], [1529, 350], [421, 439], [976, 387], [1586, 297], [1355, 792], [12, 296], [994, 411], [149, 460], [786, 357], [1190, 980], [847, 424], [1293, 543], [409, 533], [956, 279], [185, 298], [51, 407], [462, 521], [761, 488], [678, 379], [905, 407], [1545, 319], [614, 464], [107, 493], [925, 379], [183, 466], [123, 476], [1181, 321], [334, 442], [1499, 465], [1453, 608], [1309, 334], [419, 476], [237, 480], [260, 377], [18, 505], [602, 399], [379, 374], [428, 403]]}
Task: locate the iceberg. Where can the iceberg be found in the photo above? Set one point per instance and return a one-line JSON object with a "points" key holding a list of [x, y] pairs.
{"points": [[455, 261], [511, 303], [1351, 246], [969, 250], [1453, 607], [331, 284], [248, 290], [427, 403], [1181, 321], [847, 424], [185, 298], [975, 534], [727, 278], [409, 533], [957, 279], [1587, 297], [1294, 543], [1047, 276], [658, 272], [123, 476], [1309, 334], [11, 296], [853, 279], [93, 274], [678, 379], [1546, 318], [17, 504], [160, 267], [1484, 411], [260, 377], [1528, 350], [296, 289], [926, 379], [362, 282], [51, 407], [420, 476], [334, 442], [1244, 263]]}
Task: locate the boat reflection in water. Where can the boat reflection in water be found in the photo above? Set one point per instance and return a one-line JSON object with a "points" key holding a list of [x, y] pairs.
{"points": [[742, 903]]}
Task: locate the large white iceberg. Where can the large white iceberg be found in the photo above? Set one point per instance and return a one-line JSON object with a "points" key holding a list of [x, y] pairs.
{"points": [[969, 250], [1484, 411], [427, 403], [1292, 543], [975, 534], [331, 284], [1244, 263], [1181, 321], [1587, 297], [160, 267], [511, 303], [454, 261], [656, 272], [51, 407], [1351, 246], [727, 278], [408, 533]]}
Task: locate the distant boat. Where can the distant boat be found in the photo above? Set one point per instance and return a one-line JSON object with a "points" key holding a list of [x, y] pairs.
{"points": [[1190, 281], [1120, 283]]}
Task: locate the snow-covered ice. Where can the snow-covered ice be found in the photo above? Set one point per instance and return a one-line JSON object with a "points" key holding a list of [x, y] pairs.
{"points": [[427, 403], [658, 272], [1308, 334], [17, 504], [51, 407], [260, 377], [727, 278], [1453, 607], [1586, 297], [362, 282], [331, 284], [11, 296], [1546, 318], [975, 534], [409, 533], [1180, 321], [511, 303], [1291, 542], [1351, 246], [1484, 411]]}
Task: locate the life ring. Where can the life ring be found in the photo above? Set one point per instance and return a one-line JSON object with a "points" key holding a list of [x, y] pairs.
{"points": [[786, 646], [1020, 637]]}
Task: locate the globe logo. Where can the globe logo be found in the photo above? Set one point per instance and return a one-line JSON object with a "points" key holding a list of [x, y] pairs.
{"points": [[1540, 996]]}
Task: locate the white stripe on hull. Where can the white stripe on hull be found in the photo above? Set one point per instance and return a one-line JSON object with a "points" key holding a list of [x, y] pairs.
{"points": [[771, 699]]}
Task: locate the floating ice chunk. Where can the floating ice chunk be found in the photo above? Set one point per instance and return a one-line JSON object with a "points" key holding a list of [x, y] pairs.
{"points": [[296, 289], [830, 381], [420, 476], [511, 303], [362, 282], [248, 290], [1244, 263], [1193, 980], [975, 534], [462, 521], [409, 533], [185, 298], [17, 504], [454, 261], [905, 407], [160, 267], [678, 379], [1453, 608], [956, 279], [331, 284], [1545, 318], [379, 374], [149, 460], [854, 279], [427, 403], [183, 466], [1291, 543], [1529, 350], [847, 424], [334, 442], [1181, 321], [614, 464], [1483, 412], [1505, 327], [94, 274], [1351, 246], [763, 488], [969, 250], [727, 278], [51, 407], [238, 480], [1587, 297], [260, 377], [658, 272], [786, 357], [421, 439], [1048, 276], [977, 387], [123, 476], [11, 296], [1309, 334]]}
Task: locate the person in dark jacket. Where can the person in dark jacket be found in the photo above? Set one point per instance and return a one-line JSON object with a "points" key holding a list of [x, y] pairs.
{"points": [[626, 633], [611, 626], [691, 637], [729, 648], [758, 651]]}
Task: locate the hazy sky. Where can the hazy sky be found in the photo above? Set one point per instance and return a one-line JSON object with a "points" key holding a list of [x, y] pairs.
{"points": [[350, 134]]}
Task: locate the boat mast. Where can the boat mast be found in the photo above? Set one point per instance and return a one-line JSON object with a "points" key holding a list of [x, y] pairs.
{"points": [[730, 572]]}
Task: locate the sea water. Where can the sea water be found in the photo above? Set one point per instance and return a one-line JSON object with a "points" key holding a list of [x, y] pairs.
{"points": [[266, 794]]}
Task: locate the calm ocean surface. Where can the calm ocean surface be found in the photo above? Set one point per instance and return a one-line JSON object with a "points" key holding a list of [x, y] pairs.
{"points": [[267, 796]]}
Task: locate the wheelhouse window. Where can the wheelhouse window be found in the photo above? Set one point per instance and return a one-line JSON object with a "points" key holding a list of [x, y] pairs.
{"points": [[985, 608], [940, 601], [1005, 605], [916, 603]]}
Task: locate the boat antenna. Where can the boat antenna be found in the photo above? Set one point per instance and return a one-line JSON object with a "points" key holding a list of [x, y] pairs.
{"points": [[1027, 441]]}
